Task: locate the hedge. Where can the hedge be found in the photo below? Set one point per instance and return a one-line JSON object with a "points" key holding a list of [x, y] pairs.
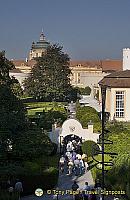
{"points": [[90, 148], [31, 181]]}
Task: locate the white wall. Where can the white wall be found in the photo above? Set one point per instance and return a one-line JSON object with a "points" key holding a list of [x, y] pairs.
{"points": [[19, 76], [126, 58], [126, 103]]}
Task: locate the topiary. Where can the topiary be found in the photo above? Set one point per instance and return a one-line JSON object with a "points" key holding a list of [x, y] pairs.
{"points": [[90, 148]]}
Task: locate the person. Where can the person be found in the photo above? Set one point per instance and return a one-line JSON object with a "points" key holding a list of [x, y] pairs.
{"points": [[81, 166], [62, 162], [69, 146], [98, 187], [76, 166], [75, 187], [70, 166], [18, 187], [92, 196], [86, 188], [10, 187]]}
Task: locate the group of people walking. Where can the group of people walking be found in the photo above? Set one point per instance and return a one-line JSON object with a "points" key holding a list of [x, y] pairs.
{"points": [[72, 162], [88, 192]]}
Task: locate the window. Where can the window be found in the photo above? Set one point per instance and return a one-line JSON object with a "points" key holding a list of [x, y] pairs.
{"points": [[119, 104]]}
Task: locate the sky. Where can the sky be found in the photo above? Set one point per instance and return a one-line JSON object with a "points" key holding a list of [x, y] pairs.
{"points": [[87, 29]]}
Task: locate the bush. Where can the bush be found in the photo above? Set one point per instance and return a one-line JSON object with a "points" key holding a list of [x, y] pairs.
{"points": [[87, 114], [84, 91], [4, 195], [46, 180], [90, 148], [32, 177], [54, 151]]}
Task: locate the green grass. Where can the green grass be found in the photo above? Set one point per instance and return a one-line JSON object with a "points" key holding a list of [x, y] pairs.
{"points": [[34, 107], [94, 170]]}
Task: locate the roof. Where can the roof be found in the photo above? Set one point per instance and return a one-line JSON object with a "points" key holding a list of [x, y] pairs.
{"points": [[106, 65], [111, 65], [120, 74], [29, 63], [15, 71], [86, 63], [119, 79]]}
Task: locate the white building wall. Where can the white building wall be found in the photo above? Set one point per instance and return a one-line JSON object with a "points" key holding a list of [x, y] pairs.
{"points": [[127, 106], [126, 103], [19, 76], [112, 104], [91, 79], [126, 58]]}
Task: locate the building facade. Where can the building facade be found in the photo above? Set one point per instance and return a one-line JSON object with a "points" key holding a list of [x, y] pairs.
{"points": [[38, 48], [84, 73], [117, 87]]}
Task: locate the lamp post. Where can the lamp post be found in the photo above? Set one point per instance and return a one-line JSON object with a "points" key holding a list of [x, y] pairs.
{"points": [[103, 92]]}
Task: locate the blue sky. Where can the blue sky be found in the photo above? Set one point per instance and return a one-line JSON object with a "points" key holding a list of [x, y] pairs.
{"points": [[87, 29]]}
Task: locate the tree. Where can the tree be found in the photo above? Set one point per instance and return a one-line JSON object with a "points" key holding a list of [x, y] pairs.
{"points": [[50, 77], [84, 91], [90, 148], [5, 67], [16, 89], [12, 112]]}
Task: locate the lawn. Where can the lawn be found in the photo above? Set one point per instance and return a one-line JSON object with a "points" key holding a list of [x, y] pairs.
{"points": [[34, 107], [92, 164]]}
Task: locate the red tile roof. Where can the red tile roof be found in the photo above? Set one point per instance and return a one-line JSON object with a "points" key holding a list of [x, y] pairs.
{"points": [[106, 65]]}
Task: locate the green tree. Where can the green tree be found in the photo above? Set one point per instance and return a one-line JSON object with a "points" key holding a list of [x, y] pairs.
{"points": [[12, 112], [84, 91], [16, 89], [50, 77], [32, 144], [5, 67], [90, 148]]}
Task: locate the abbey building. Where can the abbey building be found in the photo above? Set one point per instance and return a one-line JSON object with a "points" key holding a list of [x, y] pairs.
{"points": [[84, 72]]}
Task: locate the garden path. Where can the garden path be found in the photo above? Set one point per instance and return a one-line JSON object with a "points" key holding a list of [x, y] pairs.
{"points": [[64, 183]]}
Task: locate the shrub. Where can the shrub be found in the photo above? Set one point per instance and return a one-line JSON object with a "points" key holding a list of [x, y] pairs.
{"points": [[54, 151], [31, 177], [90, 148], [4, 195]]}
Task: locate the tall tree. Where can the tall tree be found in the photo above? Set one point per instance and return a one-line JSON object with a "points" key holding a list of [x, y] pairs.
{"points": [[50, 77], [12, 112], [5, 67]]}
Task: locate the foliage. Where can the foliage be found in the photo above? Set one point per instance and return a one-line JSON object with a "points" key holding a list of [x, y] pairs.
{"points": [[47, 119], [33, 174], [4, 195], [32, 144], [84, 91], [87, 114], [5, 67], [12, 112], [16, 89], [90, 148], [50, 77], [118, 177]]}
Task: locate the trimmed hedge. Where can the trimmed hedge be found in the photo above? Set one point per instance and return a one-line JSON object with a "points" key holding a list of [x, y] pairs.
{"points": [[90, 148], [87, 114]]}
